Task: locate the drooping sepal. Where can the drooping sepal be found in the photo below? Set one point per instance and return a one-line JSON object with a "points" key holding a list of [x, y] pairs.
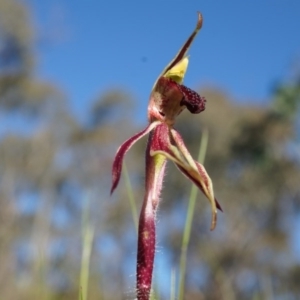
{"points": [[118, 161], [197, 173], [204, 183], [178, 153]]}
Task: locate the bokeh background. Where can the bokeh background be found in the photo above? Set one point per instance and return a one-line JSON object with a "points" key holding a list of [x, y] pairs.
{"points": [[75, 78]]}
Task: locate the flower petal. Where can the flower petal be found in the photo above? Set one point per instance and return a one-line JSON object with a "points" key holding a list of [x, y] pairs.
{"points": [[197, 173], [207, 181], [199, 177], [161, 144], [204, 183], [181, 145], [118, 161]]}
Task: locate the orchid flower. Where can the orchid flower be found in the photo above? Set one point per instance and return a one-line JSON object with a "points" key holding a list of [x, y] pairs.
{"points": [[167, 100]]}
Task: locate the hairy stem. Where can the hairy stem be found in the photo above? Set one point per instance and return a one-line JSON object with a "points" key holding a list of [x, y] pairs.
{"points": [[146, 251], [155, 166]]}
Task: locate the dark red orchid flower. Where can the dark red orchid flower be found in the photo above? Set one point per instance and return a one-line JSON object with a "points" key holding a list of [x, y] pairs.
{"points": [[167, 100]]}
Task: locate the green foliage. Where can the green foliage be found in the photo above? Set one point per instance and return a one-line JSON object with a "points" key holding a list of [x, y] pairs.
{"points": [[287, 100]]}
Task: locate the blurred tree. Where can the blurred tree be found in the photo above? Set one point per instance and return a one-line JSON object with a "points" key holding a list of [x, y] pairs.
{"points": [[50, 163]]}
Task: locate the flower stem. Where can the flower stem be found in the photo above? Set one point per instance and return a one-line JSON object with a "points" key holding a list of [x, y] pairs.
{"points": [[146, 251], [155, 166]]}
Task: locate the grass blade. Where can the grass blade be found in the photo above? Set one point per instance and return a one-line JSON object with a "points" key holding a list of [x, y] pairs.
{"points": [[131, 198], [88, 231], [189, 218]]}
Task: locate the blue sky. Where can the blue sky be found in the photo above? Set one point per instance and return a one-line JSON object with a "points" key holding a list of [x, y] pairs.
{"points": [[88, 47]]}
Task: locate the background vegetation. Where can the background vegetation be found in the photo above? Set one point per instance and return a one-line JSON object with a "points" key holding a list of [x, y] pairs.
{"points": [[60, 230]]}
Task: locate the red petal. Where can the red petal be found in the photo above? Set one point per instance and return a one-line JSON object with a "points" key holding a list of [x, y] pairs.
{"points": [[197, 183], [161, 139], [118, 161]]}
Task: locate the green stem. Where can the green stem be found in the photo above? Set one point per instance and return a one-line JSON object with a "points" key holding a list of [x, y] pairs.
{"points": [[189, 218], [87, 243], [131, 198]]}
